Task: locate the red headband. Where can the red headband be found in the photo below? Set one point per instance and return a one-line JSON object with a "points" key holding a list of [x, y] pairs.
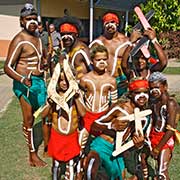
{"points": [[66, 27], [136, 84], [110, 17]]}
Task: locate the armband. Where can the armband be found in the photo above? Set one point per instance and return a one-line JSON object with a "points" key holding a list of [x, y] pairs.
{"points": [[141, 147], [130, 44], [22, 79], [109, 125], [154, 40]]}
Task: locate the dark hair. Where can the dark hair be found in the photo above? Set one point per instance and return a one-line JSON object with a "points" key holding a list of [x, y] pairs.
{"points": [[71, 20], [97, 48], [158, 77]]}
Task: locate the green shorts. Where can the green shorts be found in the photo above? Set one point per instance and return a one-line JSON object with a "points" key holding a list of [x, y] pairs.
{"points": [[37, 91], [114, 166]]}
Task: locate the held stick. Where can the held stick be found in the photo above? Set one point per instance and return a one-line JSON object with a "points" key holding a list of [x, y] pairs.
{"points": [[29, 76]]}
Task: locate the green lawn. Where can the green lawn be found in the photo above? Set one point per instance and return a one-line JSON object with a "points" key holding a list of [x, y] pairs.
{"points": [[13, 149], [172, 70], [14, 154]]}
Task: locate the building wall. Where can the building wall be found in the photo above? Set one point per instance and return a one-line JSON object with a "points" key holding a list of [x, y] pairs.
{"points": [[55, 8], [9, 21], [9, 27], [78, 8]]}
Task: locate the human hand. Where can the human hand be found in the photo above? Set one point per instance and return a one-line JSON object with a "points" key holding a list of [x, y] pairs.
{"points": [[119, 125], [138, 139], [27, 81], [135, 35], [155, 152], [151, 33]]}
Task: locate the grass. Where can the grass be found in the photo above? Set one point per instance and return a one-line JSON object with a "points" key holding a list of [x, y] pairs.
{"points": [[14, 154], [14, 151], [172, 70]]}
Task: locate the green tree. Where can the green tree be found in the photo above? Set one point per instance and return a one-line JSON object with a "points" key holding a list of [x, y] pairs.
{"points": [[167, 14]]}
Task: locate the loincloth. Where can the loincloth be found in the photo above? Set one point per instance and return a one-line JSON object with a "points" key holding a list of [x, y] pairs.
{"points": [[37, 91], [114, 165], [63, 147], [155, 138], [90, 117]]}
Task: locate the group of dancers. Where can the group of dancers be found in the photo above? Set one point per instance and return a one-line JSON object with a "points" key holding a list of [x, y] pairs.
{"points": [[104, 109]]}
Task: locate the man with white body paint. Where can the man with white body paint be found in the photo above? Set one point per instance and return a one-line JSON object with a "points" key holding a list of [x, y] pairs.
{"points": [[78, 51], [24, 66]]}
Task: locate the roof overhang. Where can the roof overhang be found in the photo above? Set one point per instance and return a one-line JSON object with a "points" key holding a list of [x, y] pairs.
{"points": [[118, 5]]}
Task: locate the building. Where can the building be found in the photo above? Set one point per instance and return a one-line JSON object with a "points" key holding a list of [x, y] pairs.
{"points": [[88, 11]]}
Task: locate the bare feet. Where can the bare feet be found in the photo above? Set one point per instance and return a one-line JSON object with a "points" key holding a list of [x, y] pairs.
{"points": [[35, 161], [45, 153]]}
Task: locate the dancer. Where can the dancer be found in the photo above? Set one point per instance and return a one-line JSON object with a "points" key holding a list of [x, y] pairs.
{"points": [[100, 88], [165, 118], [66, 106], [77, 51], [102, 146], [116, 43], [144, 66], [23, 65]]}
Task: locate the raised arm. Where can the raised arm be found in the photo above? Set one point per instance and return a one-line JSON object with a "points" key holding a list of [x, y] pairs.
{"points": [[125, 65], [162, 63], [135, 35]]}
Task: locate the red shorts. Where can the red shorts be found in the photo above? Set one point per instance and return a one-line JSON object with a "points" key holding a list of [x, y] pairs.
{"points": [[63, 147], [90, 117], [155, 138]]}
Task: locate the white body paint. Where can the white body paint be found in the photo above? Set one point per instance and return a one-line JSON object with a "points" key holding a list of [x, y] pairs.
{"points": [[138, 116], [92, 98], [83, 53], [39, 55]]}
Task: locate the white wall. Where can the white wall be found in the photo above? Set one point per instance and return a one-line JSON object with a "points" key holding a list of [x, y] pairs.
{"points": [[9, 26]]}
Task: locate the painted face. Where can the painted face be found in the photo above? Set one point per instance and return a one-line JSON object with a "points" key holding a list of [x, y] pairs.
{"points": [[110, 27], [63, 85], [30, 23], [140, 96], [156, 89], [68, 39], [100, 61]]}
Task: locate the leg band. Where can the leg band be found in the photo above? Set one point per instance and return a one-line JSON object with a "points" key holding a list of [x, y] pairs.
{"points": [[28, 134], [89, 169], [83, 137], [55, 170], [145, 173], [69, 174]]}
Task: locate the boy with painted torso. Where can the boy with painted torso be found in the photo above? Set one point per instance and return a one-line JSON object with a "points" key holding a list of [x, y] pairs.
{"points": [[65, 106], [165, 118]]}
